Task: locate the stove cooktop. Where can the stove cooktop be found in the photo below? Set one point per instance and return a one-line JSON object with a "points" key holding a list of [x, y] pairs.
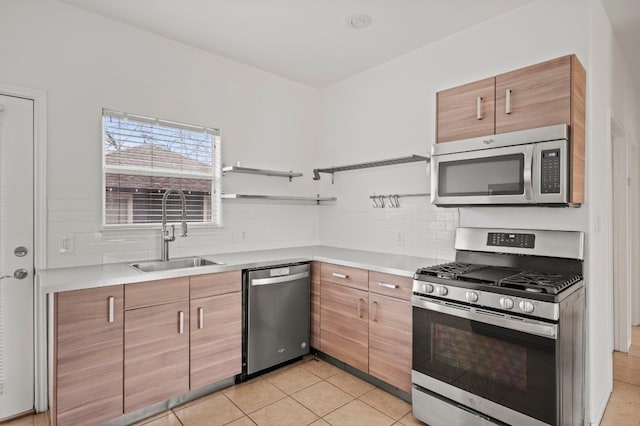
{"points": [[516, 279]]}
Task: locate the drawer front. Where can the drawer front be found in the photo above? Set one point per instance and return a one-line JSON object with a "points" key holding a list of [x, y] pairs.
{"points": [[344, 275], [390, 285], [154, 293], [215, 284]]}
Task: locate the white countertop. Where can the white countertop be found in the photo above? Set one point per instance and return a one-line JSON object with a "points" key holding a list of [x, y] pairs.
{"points": [[74, 278]]}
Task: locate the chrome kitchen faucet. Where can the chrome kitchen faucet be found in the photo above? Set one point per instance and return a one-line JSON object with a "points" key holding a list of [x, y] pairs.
{"points": [[165, 237]]}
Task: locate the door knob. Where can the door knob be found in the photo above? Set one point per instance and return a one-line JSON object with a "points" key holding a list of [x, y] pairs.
{"points": [[18, 274]]}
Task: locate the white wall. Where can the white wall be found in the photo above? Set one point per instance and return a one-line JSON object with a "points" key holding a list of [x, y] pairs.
{"points": [[85, 62]]}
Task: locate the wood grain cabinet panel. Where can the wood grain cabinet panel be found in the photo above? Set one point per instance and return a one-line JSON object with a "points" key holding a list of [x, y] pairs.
{"points": [[156, 354], [213, 284], [390, 340], [153, 293], [535, 96], [466, 111], [344, 275], [390, 285], [344, 320], [88, 363], [216, 338], [315, 306]]}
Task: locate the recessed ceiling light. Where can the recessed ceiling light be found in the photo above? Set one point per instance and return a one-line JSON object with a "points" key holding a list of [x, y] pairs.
{"points": [[358, 21]]}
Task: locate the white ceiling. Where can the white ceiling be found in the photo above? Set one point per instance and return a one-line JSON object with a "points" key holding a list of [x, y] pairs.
{"points": [[303, 40]]}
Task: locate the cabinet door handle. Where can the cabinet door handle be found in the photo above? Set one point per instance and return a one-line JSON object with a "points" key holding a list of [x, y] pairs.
{"points": [[507, 102], [337, 275], [375, 311], [201, 318], [479, 108], [381, 284], [360, 303], [112, 301], [181, 322]]}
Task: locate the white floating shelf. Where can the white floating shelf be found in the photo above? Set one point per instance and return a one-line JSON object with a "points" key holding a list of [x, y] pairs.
{"points": [[263, 172], [317, 199]]}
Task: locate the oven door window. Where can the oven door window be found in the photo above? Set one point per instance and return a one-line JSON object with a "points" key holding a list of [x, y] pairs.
{"points": [[495, 175], [510, 368]]}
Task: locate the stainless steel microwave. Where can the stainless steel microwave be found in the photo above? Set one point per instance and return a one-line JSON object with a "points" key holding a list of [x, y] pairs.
{"points": [[528, 167]]}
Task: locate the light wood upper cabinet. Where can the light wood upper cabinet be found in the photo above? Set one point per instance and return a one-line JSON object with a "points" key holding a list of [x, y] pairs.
{"points": [[545, 94], [390, 340], [466, 111], [216, 328], [535, 96], [88, 363], [344, 323], [315, 306], [156, 353]]}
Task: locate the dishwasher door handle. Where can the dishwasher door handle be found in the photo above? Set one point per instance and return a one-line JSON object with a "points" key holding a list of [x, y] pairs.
{"points": [[282, 279]]}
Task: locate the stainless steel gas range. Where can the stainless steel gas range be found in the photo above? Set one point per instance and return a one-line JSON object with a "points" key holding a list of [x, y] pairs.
{"points": [[498, 334]]}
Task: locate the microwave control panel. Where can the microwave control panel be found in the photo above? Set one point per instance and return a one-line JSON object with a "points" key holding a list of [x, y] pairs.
{"points": [[550, 171]]}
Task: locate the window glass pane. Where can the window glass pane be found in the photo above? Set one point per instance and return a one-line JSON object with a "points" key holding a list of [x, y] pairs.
{"points": [[143, 158]]}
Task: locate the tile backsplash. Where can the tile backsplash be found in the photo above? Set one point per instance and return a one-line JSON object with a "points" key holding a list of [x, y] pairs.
{"points": [[247, 226]]}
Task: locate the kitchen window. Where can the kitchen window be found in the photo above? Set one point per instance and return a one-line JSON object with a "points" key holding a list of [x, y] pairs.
{"points": [[144, 157]]}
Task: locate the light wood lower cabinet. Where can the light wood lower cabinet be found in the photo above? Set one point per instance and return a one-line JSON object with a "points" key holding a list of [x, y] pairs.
{"points": [[87, 368], [156, 354], [344, 323], [390, 340], [216, 338], [315, 306]]}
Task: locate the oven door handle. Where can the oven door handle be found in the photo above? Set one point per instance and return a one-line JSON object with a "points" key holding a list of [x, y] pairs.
{"points": [[494, 318]]}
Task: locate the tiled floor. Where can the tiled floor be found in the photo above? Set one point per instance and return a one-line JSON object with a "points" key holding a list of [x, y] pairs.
{"points": [[624, 404], [310, 392], [314, 392]]}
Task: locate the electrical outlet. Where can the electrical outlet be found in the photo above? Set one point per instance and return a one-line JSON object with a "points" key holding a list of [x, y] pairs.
{"points": [[66, 244]]}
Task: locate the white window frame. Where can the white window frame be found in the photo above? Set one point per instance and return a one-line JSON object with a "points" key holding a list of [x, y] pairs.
{"points": [[216, 177]]}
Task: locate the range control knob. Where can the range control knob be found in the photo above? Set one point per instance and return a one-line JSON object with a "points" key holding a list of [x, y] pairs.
{"points": [[506, 303], [526, 306], [428, 288], [471, 296], [442, 290]]}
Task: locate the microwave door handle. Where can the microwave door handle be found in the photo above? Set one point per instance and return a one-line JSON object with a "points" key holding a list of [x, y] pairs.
{"points": [[528, 167]]}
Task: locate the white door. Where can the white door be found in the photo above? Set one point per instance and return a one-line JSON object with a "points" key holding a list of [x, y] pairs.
{"points": [[16, 256]]}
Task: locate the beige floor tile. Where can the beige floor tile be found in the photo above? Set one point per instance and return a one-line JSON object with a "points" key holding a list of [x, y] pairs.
{"points": [[320, 368], [623, 407], [217, 410], [322, 398], [626, 368], [350, 384], [253, 396], [357, 413], [283, 413], [242, 421], [164, 419], [409, 420], [390, 405], [293, 379], [22, 421], [320, 422]]}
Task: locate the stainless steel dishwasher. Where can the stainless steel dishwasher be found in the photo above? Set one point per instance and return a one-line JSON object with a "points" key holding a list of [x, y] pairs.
{"points": [[277, 315]]}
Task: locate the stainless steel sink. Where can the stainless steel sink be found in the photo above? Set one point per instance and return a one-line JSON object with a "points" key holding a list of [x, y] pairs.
{"points": [[182, 263]]}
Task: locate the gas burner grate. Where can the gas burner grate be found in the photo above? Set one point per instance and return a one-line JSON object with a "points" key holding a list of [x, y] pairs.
{"points": [[450, 270], [540, 282]]}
